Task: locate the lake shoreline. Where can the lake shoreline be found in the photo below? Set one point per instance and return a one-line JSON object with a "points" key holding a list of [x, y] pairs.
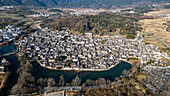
{"points": [[84, 70]]}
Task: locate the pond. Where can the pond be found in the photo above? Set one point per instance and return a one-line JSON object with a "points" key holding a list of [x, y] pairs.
{"points": [[40, 72]]}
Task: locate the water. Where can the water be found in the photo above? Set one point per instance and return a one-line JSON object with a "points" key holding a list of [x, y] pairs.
{"points": [[13, 76], [111, 74], [7, 49], [40, 72], [13, 68]]}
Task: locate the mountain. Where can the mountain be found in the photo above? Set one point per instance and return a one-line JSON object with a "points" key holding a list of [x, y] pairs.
{"points": [[78, 3], [111, 3], [45, 3]]}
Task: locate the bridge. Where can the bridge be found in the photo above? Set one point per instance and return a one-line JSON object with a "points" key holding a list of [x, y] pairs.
{"points": [[7, 54]]}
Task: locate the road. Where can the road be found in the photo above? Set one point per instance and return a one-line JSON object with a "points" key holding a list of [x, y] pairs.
{"points": [[52, 89], [36, 25]]}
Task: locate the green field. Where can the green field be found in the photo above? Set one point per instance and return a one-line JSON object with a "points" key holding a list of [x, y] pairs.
{"points": [[12, 16]]}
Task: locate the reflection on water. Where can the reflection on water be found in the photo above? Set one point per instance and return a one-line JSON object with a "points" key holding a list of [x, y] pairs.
{"points": [[40, 72], [7, 49]]}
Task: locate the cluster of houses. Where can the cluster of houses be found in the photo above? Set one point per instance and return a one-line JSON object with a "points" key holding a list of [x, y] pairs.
{"points": [[84, 12], [41, 14], [151, 51], [77, 13], [157, 78], [6, 7], [164, 15], [3, 62], [9, 33], [60, 49]]}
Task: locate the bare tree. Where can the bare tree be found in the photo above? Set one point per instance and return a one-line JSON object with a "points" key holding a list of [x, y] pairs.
{"points": [[51, 82], [116, 79], [76, 81], [124, 72], [96, 82], [17, 89], [61, 81], [100, 81], [89, 82], [25, 82], [108, 81], [42, 82], [26, 79], [28, 67]]}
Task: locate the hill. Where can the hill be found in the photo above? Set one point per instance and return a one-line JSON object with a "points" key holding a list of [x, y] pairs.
{"points": [[79, 3], [45, 3]]}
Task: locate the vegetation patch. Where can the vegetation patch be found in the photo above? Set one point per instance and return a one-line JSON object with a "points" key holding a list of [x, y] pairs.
{"points": [[104, 23]]}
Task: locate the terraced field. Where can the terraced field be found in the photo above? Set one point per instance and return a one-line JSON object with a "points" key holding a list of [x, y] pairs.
{"points": [[158, 27]]}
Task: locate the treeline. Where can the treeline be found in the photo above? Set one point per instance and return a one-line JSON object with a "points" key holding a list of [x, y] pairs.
{"points": [[26, 80], [144, 9], [55, 10], [101, 24], [21, 11], [108, 4], [120, 89], [127, 84], [167, 6], [6, 21]]}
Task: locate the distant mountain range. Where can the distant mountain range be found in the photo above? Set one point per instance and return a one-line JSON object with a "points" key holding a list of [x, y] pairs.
{"points": [[77, 3], [44, 3]]}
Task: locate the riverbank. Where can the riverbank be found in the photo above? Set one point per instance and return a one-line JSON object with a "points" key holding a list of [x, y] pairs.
{"points": [[5, 43], [10, 41], [77, 69], [12, 78]]}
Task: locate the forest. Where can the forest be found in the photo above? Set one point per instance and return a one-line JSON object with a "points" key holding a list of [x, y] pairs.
{"points": [[102, 24]]}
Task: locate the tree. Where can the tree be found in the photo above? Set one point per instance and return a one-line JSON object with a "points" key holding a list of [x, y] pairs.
{"points": [[26, 79], [124, 72], [61, 81], [17, 89], [51, 82], [100, 81], [125, 80], [130, 36], [67, 64], [25, 82], [57, 58], [89, 82], [25, 55], [28, 67], [117, 79], [76, 81], [108, 81], [42, 82]]}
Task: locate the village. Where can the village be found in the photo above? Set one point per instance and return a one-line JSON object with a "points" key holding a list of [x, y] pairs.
{"points": [[9, 33], [3, 63], [87, 52], [40, 14], [157, 78]]}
